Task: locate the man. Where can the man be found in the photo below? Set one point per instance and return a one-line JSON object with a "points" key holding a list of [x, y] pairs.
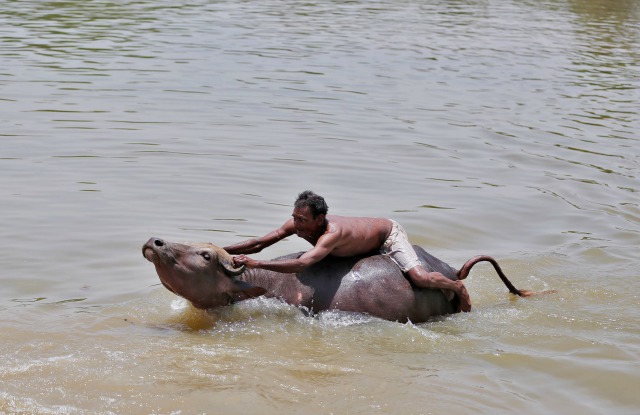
{"points": [[344, 236]]}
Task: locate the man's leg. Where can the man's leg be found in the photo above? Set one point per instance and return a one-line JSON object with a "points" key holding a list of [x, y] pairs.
{"points": [[400, 250], [422, 278]]}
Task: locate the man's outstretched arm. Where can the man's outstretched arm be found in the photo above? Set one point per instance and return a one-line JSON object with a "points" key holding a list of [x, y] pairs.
{"points": [[251, 246], [284, 265], [325, 245]]}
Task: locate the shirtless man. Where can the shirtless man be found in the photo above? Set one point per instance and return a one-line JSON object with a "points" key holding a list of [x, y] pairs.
{"points": [[344, 236]]}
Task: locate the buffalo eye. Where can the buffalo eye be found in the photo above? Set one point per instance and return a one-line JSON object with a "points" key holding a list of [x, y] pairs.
{"points": [[206, 256]]}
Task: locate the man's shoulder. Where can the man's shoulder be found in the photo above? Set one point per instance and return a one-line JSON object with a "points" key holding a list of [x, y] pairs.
{"points": [[287, 228], [336, 224]]}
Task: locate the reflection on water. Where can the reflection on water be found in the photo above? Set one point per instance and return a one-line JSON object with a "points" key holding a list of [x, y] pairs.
{"points": [[500, 127]]}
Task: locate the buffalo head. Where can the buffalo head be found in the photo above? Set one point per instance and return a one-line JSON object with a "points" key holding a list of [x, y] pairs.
{"points": [[202, 273]]}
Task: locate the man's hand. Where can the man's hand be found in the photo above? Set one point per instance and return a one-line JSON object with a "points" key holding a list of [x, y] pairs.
{"points": [[244, 260]]}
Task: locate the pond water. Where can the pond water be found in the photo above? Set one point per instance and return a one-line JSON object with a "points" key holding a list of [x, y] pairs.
{"points": [[507, 128]]}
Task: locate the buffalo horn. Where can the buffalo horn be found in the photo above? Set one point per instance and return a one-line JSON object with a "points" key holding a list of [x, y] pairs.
{"points": [[230, 271]]}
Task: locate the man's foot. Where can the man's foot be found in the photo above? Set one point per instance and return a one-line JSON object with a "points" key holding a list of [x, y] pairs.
{"points": [[464, 301]]}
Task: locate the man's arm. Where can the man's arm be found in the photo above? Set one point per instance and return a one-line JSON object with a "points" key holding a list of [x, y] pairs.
{"points": [[251, 246], [324, 247]]}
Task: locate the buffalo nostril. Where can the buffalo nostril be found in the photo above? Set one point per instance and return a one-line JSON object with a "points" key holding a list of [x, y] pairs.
{"points": [[158, 242]]}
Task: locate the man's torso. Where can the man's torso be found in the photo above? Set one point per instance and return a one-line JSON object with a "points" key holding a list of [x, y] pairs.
{"points": [[358, 235]]}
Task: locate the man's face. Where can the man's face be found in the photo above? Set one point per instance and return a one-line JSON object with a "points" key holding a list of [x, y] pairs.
{"points": [[305, 224]]}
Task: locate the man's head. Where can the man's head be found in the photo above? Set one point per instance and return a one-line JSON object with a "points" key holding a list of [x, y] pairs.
{"points": [[314, 202], [309, 213]]}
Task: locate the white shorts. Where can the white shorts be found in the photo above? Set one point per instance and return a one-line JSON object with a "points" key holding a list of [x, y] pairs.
{"points": [[399, 249]]}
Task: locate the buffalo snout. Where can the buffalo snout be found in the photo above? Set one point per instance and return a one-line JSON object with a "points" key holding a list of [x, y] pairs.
{"points": [[150, 248]]}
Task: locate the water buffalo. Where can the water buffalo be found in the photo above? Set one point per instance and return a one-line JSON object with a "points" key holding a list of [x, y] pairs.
{"points": [[205, 275]]}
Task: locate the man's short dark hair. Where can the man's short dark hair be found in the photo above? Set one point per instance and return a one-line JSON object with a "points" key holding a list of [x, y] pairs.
{"points": [[316, 203]]}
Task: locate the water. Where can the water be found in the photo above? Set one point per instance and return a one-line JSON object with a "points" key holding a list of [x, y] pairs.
{"points": [[500, 127]]}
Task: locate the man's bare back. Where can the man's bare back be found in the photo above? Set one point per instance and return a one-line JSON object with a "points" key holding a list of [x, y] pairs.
{"points": [[357, 235]]}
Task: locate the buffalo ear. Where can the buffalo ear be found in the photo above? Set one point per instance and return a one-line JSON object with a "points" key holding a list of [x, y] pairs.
{"points": [[246, 291]]}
